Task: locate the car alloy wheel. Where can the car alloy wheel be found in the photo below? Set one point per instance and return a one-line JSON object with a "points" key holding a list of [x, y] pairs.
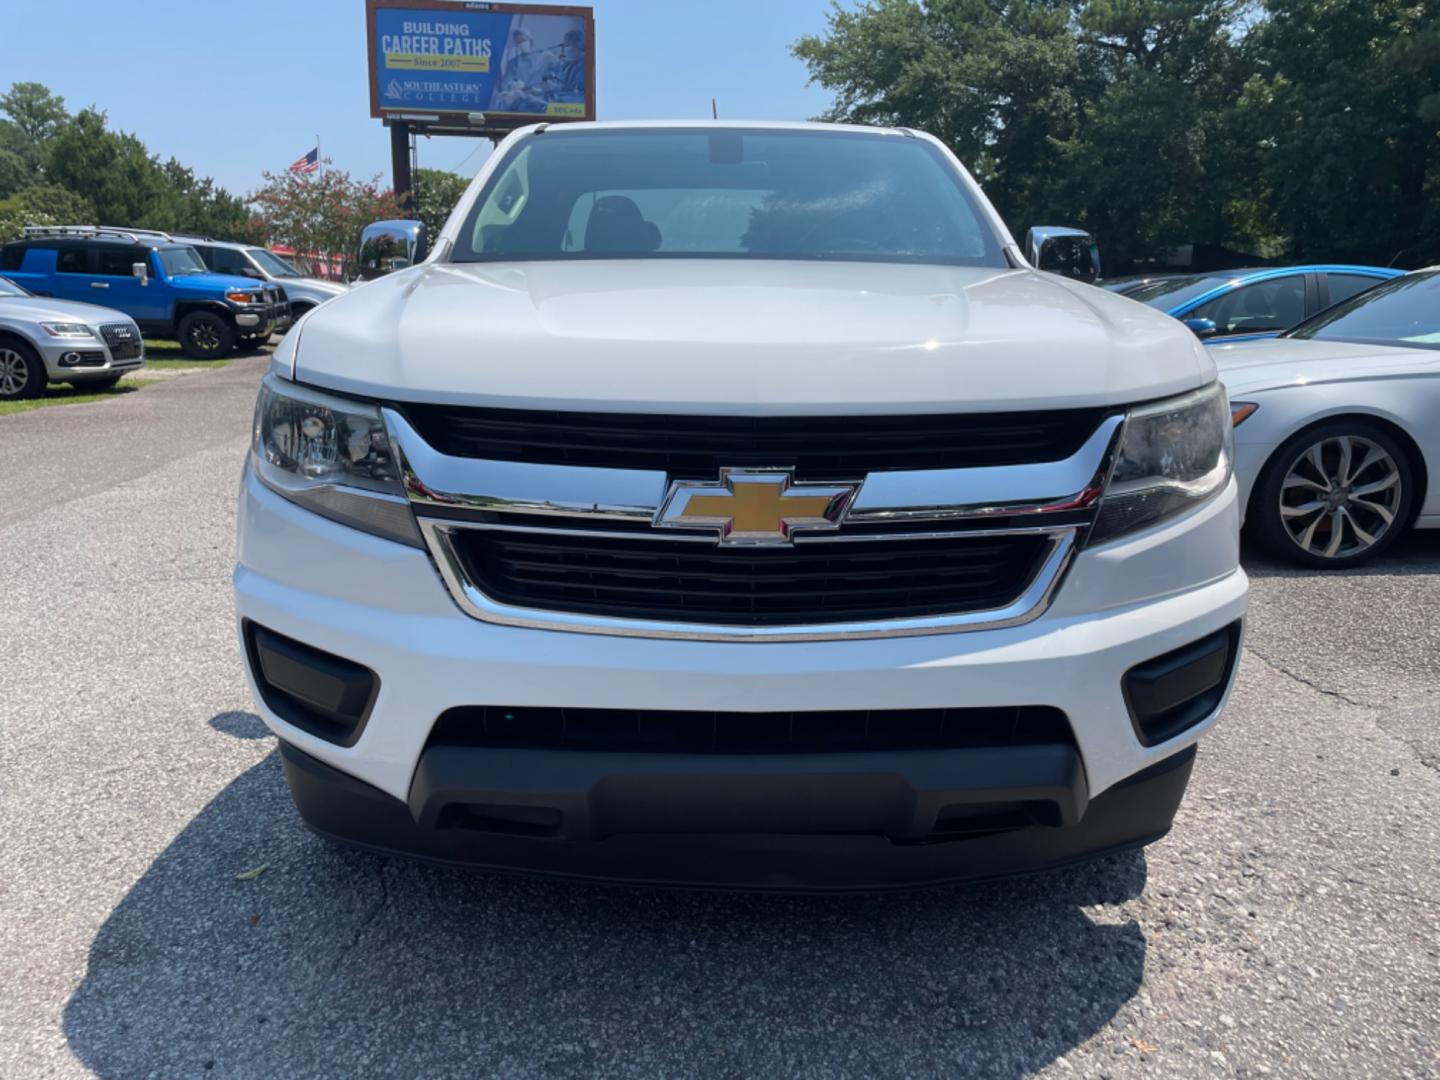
{"points": [[1340, 497], [14, 373], [203, 335]]}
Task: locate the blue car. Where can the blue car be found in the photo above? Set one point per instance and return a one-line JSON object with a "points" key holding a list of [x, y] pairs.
{"points": [[1239, 305], [160, 283]]}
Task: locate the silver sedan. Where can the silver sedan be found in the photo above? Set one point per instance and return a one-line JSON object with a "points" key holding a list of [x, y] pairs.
{"points": [[1337, 425]]}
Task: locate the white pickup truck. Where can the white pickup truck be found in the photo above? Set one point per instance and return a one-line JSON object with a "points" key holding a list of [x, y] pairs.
{"points": [[735, 505]]}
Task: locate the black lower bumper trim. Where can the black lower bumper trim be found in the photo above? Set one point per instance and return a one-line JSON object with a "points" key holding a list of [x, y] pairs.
{"points": [[976, 838]]}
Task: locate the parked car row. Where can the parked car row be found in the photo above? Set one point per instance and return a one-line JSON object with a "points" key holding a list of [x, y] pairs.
{"points": [[1239, 305], [210, 295]]}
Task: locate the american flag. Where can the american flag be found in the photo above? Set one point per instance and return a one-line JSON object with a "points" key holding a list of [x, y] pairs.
{"points": [[309, 163]]}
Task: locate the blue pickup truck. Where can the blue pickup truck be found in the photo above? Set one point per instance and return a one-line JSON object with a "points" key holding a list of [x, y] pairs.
{"points": [[160, 283]]}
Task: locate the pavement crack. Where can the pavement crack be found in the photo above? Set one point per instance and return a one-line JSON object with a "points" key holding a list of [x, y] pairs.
{"points": [[1310, 683]]}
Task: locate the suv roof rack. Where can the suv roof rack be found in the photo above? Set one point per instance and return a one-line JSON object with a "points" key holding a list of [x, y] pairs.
{"points": [[93, 230]]}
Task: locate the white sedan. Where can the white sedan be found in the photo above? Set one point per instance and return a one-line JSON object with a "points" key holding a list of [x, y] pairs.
{"points": [[1337, 425]]}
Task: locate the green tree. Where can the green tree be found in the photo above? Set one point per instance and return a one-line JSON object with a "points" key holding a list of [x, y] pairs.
{"points": [[33, 116], [1105, 113], [113, 169], [436, 193], [1344, 109], [320, 213], [47, 204]]}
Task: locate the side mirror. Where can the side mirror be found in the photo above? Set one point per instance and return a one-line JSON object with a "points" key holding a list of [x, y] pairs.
{"points": [[1202, 327], [1071, 253], [386, 246], [140, 271]]}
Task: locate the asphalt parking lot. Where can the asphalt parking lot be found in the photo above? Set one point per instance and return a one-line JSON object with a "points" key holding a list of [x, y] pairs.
{"points": [[1289, 925]]}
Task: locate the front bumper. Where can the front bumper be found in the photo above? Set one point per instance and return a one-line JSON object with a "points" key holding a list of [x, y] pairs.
{"points": [[79, 360], [859, 820], [1133, 812]]}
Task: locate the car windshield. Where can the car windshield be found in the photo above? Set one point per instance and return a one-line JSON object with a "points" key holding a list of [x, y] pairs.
{"points": [[1404, 311], [272, 264], [181, 260], [1170, 293], [9, 288], [727, 193]]}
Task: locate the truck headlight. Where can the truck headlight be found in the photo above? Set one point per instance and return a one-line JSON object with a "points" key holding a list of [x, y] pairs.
{"points": [[67, 329], [236, 296], [1173, 455], [331, 455]]}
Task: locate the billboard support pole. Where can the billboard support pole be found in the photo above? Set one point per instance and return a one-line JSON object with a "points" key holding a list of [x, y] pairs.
{"points": [[400, 163]]}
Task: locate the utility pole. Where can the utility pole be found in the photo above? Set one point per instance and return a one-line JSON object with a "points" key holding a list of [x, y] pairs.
{"points": [[400, 164]]}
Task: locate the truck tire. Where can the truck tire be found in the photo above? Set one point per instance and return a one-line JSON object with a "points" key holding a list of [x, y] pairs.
{"points": [[204, 335], [22, 375]]}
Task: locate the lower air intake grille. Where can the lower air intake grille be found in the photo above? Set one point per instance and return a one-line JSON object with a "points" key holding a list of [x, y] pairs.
{"points": [[702, 582], [657, 731]]}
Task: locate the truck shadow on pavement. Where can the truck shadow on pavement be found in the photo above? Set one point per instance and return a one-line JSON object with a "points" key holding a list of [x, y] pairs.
{"points": [[334, 962]]}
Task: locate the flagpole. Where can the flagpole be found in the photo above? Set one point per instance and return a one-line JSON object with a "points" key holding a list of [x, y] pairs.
{"points": [[318, 159]]}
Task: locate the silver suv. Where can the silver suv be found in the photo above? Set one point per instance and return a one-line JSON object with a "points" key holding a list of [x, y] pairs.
{"points": [[226, 257], [44, 340]]}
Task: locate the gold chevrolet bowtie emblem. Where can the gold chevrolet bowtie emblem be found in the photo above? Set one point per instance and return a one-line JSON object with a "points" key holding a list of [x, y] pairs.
{"points": [[753, 506]]}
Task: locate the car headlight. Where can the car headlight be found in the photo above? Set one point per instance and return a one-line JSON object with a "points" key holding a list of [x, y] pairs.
{"points": [[235, 296], [1173, 455], [331, 455], [67, 329]]}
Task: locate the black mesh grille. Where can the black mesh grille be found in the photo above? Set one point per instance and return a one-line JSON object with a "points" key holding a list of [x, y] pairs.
{"points": [[122, 339], [838, 447], [661, 731], [702, 582]]}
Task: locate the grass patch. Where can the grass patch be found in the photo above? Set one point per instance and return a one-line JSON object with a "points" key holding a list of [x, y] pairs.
{"points": [[184, 365], [70, 395], [158, 351]]}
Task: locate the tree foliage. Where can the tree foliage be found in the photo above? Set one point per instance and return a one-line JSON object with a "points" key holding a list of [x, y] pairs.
{"points": [[436, 193], [110, 176], [1303, 128], [321, 212], [43, 204]]}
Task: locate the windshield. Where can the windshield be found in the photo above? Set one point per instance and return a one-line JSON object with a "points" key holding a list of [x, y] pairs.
{"points": [[1172, 292], [1404, 311], [9, 288], [272, 264], [178, 261], [727, 193]]}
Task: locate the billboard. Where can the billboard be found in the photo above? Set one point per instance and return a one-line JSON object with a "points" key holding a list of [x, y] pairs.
{"points": [[515, 63]]}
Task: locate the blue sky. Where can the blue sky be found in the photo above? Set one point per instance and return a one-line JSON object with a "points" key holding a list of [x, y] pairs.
{"points": [[233, 89]]}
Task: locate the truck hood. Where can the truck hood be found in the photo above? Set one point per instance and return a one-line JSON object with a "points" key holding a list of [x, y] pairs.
{"points": [[46, 309], [744, 337], [1252, 366]]}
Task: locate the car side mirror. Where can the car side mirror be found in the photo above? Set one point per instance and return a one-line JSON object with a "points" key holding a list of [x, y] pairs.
{"points": [[386, 246], [1071, 253], [141, 272], [1202, 327]]}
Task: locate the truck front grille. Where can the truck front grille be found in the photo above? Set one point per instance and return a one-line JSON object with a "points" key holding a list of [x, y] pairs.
{"points": [[813, 582], [828, 447]]}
